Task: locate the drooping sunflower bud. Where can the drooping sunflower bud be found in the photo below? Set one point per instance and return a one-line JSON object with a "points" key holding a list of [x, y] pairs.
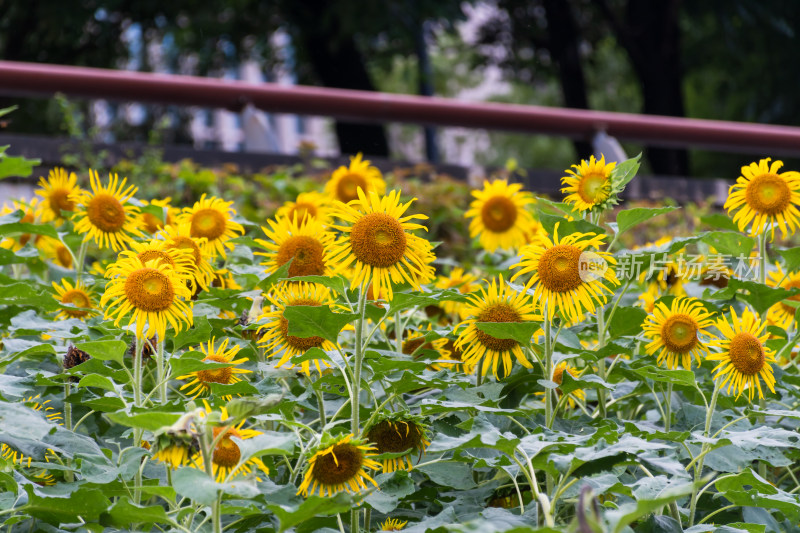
{"points": [[73, 358]]}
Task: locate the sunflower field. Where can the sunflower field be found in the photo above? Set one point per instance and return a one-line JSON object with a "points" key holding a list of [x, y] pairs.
{"points": [[169, 367]]}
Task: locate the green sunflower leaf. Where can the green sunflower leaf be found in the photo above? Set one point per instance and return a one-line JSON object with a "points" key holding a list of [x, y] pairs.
{"points": [[124, 513], [108, 350], [522, 332], [290, 515], [730, 243], [316, 321], [630, 218]]}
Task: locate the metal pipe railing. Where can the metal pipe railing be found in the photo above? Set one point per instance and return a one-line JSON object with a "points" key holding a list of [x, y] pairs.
{"points": [[31, 79]]}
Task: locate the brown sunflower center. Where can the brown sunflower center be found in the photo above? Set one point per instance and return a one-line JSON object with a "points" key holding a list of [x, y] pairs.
{"points": [[151, 223], [208, 223], [499, 312], [106, 213], [747, 353], [149, 290], [226, 452], [78, 298], [216, 375], [411, 345], [768, 194], [338, 466], [161, 257], [63, 256], [395, 437], [308, 255], [301, 210], [59, 201], [25, 237], [186, 243], [347, 188], [559, 268], [593, 188], [301, 344], [499, 214], [679, 333], [378, 240]]}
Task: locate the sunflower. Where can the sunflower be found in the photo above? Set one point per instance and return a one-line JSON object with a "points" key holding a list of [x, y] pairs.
{"points": [[175, 455], [10, 454], [28, 217], [378, 243], [568, 273], [346, 182], [589, 185], [179, 237], [105, 214], [227, 456], [782, 314], [307, 204], [558, 379], [763, 196], [464, 282], [274, 334], [339, 464], [398, 433], [202, 379], [676, 332], [648, 297], [393, 524], [79, 296], [55, 251], [212, 219], [152, 293], [415, 343], [159, 250], [151, 223], [58, 194], [498, 303], [499, 215], [307, 244], [744, 355]]}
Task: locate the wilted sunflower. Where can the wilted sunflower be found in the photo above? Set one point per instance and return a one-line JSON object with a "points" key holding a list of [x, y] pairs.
{"points": [[225, 460], [105, 214], [763, 196], [744, 355], [179, 237], [55, 251], [378, 244], [782, 314], [307, 244], [361, 175], [151, 223], [152, 294], [393, 524], [464, 282], [399, 433], [58, 192], [202, 379], [338, 464], [589, 185], [212, 218], [10, 454], [497, 303], [274, 333], [174, 455], [78, 295], [561, 282], [676, 332], [28, 217], [499, 215], [308, 204]]}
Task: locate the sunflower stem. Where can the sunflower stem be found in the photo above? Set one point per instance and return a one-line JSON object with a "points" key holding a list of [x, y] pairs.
{"points": [[80, 260], [160, 369], [68, 476], [668, 409], [698, 470], [398, 333], [601, 363], [321, 406], [762, 278], [358, 360], [367, 518], [137, 401], [549, 418]]}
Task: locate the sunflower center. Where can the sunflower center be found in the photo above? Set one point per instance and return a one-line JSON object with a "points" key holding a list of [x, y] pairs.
{"points": [[395, 437], [25, 237], [77, 298], [307, 253], [301, 210], [593, 188], [378, 240], [559, 268], [679, 333], [161, 257], [64, 257], [301, 344], [216, 375], [499, 214], [151, 223], [500, 312], [208, 223], [59, 201], [149, 290], [226, 452], [768, 194], [106, 213], [347, 188], [410, 346], [747, 353], [186, 243], [338, 466]]}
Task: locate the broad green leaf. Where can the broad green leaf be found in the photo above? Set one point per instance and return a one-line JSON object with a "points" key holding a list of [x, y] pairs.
{"points": [[630, 218], [624, 172], [730, 243], [316, 321], [719, 221], [193, 362], [335, 283], [199, 332], [16, 166], [586, 381], [627, 513], [94, 380], [196, 485], [522, 332], [124, 513], [150, 420], [637, 371], [450, 474], [759, 296], [567, 227], [626, 321], [85, 504], [110, 350], [292, 515], [791, 259], [750, 489]]}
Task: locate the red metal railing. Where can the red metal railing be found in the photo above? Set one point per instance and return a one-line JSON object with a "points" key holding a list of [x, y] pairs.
{"points": [[31, 79]]}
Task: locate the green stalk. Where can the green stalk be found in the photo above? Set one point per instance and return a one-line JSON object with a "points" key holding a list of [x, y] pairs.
{"points": [[601, 363], [68, 476], [80, 260], [762, 278], [160, 369], [698, 470], [668, 409], [137, 402], [398, 333], [548, 393], [355, 397], [206, 445]]}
